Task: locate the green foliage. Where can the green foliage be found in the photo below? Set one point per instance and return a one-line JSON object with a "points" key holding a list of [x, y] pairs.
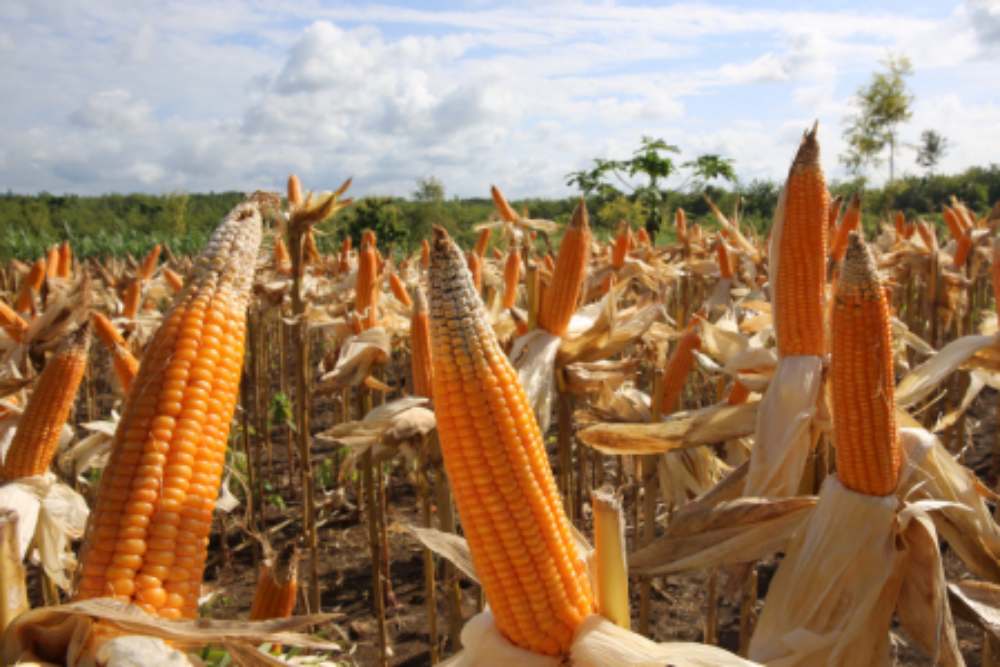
{"points": [[881, 106], [620, 208], [932, 148]]}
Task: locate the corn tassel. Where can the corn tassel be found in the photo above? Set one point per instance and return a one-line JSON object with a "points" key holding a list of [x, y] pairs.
{"points": [[861, 376], [563, 293], [147, 536], [37, 436], [798, 283], [518, 533]]}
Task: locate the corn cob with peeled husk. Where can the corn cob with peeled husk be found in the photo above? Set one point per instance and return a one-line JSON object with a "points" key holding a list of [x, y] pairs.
{"points": [[148, 534], [875, 554], [785, 433], [542, 606]]}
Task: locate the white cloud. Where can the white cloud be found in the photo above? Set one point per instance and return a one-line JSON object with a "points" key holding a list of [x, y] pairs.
{"points": [[235, 94]]}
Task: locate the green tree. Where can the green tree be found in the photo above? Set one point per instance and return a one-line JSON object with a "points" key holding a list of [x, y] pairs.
{"points": [[429, 189], [881, 106], [932, 148]]}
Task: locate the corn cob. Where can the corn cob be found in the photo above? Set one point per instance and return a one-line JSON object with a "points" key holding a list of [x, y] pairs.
{"points": [[132, 299], [962, 249], [52, 263], [861, 376], [680, 225], [174, 279], [12, 323], [623, 243], [679, 366], [642, 237], [65, 260], [850, 223], [366, 290], [833, 215], [294, 190], [799, 282], [420, 344], [953, 223], [476, 269], [38, 429], [30, 286], [899, 222], [425, 254], [511, 277], [519, 535], [506, 211], [274, 596], [563, 293], [927, 235], [482, 241], [125, 364], [147, 536], [310, 252], [282, 260], [399, 290], [739, 394], [725, 263], [149, 263]]}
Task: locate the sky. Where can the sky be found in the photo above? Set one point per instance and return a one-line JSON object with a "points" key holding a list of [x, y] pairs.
{"points": [[193, 96]]}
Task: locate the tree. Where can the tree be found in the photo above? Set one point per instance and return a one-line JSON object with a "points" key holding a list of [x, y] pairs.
{"points": [[932, 148], [881, 106], [429, 189], [651, 160]]}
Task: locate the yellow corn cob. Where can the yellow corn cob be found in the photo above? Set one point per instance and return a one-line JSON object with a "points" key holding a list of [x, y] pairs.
{"points": [[519, 535], [274, 596], [132, 299], [511, 277], [173, 279], [801, 272], [52, 263], [420, 345], [65, 260], [399, 289], [680, 225], [482, 241], [476, 269], [38, 429], [147, 536], [366, 290], [30, 286], [506, 211], [425, 254], [861, 376], [642, 237], [623, 243], [125, 364], [310, 252], [149, 262], [833, 214], [282, 260], [563, 293], [679, 366], [850, 223], [725, 262], [12, 323]]}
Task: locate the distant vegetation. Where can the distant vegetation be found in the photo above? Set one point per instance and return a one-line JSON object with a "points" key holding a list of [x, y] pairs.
{"points": [[119, 224]]}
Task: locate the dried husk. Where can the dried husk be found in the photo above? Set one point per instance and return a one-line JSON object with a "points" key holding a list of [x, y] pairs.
{"points": [[783, 438], [534, 357], [832, 598], [928, 376]]}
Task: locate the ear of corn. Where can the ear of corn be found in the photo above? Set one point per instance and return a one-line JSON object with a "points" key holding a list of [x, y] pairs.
{"points": [[420, 346], [399, 289], [623, 243], [798, 283], [725, 263], [505, 210], [65, 260], [861, 377], [952, 221], [37, 436], [482, 241], [962, 249], [833, 215], [174, 279], [518, 532], [30, 286], [366, 291], [282, 260], [276, 589], [642, 237], [310, 252], [147, 536], [132, 299], [511, 277], [850, 223], [476, 269], [150, 262], [12, 323], [927, 235], [52, 263], [680, 224], [425, 254], [678, 367], [125, 364], [563, 293]]}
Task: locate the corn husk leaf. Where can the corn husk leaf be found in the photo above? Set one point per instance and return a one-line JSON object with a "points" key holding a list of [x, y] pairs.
{"points": [[357, 356], [832, 598], [387, 425], [534, 356], [692, 428], [589, 378], [735, 531], [978, 602], [687, 474], [783, 440], [452, 547], [66, 630], [964, 521], [928, 376]]}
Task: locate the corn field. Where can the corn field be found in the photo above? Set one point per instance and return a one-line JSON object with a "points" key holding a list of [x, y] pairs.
{"points": [[544, 449]]}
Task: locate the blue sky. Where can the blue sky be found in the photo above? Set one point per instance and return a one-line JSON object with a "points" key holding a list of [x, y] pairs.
{"points": [[235, 94]]}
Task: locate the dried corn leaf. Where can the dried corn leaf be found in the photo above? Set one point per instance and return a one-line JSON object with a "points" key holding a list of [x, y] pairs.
{"points": [[449, 546], [65, 630], [978, 602], [783, 440], [832, 598], [357, 357], [687, 474], [534, 356], [588, 378], [713, 424], [928, 376], [735, 531]]}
